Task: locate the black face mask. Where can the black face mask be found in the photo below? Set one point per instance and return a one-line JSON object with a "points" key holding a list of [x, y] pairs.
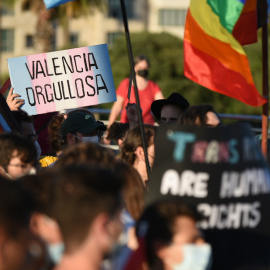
{"points": [[143, 73]]}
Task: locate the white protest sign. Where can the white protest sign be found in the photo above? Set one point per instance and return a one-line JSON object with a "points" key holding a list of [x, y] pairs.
{"points": [[66, 79]]}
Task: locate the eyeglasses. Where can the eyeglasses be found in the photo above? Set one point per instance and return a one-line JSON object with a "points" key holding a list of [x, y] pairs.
{"points": [[22, 166], [151, 156]]}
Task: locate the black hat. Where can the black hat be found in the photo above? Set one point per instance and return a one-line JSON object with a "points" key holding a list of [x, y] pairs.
{"points": [[81, 122], [173, 99]]}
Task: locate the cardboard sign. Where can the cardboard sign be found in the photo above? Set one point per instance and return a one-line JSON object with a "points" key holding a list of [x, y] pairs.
{"points": [[62, 80], [221, 172]]}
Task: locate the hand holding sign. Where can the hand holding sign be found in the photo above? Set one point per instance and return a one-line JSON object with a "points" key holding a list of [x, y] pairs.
{"points": [[13, 101]]}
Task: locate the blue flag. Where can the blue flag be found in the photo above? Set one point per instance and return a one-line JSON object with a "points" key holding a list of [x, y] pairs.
{"points": [[54, 3]]}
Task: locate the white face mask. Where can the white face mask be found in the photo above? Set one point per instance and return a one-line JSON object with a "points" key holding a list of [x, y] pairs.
{"points": [[196, 257], [93, 139], [56, 251]]}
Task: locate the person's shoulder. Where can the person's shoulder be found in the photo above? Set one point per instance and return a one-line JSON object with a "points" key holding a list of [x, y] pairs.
{"points": [[123, 87], [124, 81], [47, 160]]}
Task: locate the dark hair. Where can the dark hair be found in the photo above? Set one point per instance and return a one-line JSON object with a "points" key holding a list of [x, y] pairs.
{"points": [[133, 140], [89, 153], [193, 114], [133, 191], [22, 116], [41, 188], [82, 193], [117, 131], [140, 58], [16, 207], [10, 142], [54, 129], [159, 220]]}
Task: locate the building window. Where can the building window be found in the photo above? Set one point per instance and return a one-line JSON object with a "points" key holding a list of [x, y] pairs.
{"points": [[74, 39], [6, 10], [172, 17], [29, 41], [7, 40], [111, 38], [114, 9]]}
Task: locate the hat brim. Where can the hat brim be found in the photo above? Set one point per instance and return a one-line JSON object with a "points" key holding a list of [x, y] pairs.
{"points": [[90, 128], [158, 104]]}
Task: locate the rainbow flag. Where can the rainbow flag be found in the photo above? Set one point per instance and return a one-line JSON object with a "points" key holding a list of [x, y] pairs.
{"points": [[245, 30], [212, 56]]}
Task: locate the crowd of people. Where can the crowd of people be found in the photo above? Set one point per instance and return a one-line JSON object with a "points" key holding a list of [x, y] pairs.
{"points": [[82, 206]]}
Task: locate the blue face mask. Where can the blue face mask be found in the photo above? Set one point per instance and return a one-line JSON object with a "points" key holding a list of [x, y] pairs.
{"points": [[196, 257], [55, 252]]}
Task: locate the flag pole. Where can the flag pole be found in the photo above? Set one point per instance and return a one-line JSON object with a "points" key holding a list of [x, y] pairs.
{"points": [[265, 78], [131, 63]]}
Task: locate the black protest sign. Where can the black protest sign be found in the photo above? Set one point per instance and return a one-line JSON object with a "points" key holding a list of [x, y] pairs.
{"points": [[222, 172]]}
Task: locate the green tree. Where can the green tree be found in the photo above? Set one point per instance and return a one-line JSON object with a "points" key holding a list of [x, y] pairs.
{"points": [[166, 55]]}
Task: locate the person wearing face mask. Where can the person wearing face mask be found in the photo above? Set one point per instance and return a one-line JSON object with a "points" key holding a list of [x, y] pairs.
{"points": [[148, 92], [42, 223], [87, 208], [18, 156], [81, 127], [75, 127], [168, 234]]}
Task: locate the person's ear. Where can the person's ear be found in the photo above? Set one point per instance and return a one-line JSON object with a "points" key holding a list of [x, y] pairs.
{"points": [[161, 250], [99, 230], [120, 141], [139, 153], [71, 139], [35, 223]]}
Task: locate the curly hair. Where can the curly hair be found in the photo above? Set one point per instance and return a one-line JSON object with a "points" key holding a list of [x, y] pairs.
{"points": [[117, 131], [196, 115], [89, 153], [133, 140], [54, 129], [10, 142]]}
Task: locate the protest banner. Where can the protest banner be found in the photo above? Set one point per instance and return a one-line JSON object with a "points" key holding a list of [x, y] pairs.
{"points": [[220, 171], [64, 79]]}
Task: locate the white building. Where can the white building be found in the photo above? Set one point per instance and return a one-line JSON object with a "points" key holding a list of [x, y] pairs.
{"points": [[18, 27]]}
